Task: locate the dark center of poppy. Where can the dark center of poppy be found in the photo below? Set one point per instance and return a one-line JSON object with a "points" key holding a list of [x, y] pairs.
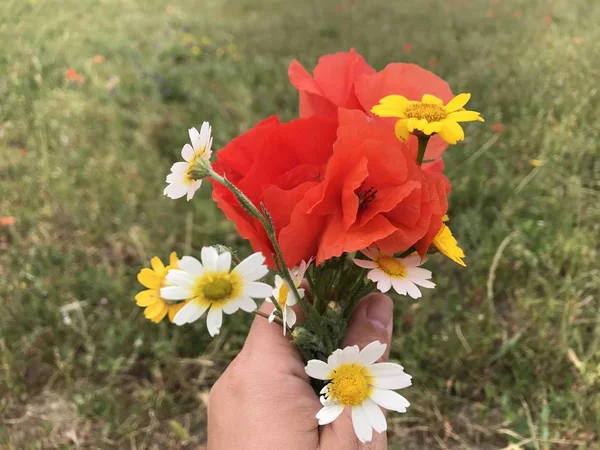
{"points": [[365, 196]]}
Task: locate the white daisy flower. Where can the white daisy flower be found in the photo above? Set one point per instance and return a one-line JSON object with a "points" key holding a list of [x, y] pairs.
{"points": [[180, 181], [356, 381], [284, 296], [403, 274], [211, 286]]}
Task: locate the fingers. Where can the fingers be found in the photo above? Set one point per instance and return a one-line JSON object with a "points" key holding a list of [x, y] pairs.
{"points": [[372, 320], [266, 341]]}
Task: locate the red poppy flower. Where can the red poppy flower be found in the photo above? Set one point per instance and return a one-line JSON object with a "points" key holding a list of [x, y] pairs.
{"points": [[345, 80], [372, 194], [276, 164]]}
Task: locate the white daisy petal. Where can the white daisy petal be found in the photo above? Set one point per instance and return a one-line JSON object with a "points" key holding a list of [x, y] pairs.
{"points": [[376, 275], [179, 277], [396, 381], [375, 415], [246, 304], [361, 424], [413, 290], [424, 283], [291, 316], [335, 359], [187, 152], [209, 256], [371, 353], [180, 167], [214, 320], [387, 369], [175, 191], [195, 138], [389, 400], [317, 369], [418, 272], [329, 413], [189, 313], [272, 316], [191, 191], [384, 285], [256, 274], [205, 139], [231, 307], [400, 285], [250, 264], [224, 262], [257, 289], [350, 354], [176, 293], [364, 263], [191, 265]]}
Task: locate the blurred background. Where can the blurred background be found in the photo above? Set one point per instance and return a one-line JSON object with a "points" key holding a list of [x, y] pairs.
{"points": [[95, 101]]}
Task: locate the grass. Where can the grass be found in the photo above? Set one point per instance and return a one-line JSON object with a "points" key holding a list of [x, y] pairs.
{"points": [[505, 353]]}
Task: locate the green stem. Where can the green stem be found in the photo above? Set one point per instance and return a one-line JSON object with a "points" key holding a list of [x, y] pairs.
{"points": [[268, 226], [423, 140]]}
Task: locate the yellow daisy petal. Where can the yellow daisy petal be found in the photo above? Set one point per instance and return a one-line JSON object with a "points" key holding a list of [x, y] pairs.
{"points": [[465, 116], [431, 99], [155, 309], [445, 218], [149, 279], [402, 132], [157, 265], [147, 297], [391, 106], [174, 309], [433, 128], [448, 246], [455, 129], [173, 260], [160, 316], [457, 102]]}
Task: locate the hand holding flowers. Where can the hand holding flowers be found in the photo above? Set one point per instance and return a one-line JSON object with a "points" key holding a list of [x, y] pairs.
{"points": [[358, 176]]}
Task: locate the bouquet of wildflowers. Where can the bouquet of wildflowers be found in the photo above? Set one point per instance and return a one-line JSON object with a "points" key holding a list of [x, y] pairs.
{"points": [[347, 199]]}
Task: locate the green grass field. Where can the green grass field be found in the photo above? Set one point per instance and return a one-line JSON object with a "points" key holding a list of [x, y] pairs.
{"points": [[505, 354]]}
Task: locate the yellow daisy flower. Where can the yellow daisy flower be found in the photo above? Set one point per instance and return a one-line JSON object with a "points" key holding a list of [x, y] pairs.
{"points": [[156, 307], [447, 245], [428, 116]]}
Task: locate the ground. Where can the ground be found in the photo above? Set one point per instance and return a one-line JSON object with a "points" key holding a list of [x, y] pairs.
{"points": [[505, 353]]}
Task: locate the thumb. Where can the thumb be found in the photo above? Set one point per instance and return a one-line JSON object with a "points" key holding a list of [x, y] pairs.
{"points": [[372, 320]]}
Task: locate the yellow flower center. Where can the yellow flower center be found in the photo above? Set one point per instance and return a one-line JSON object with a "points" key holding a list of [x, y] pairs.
{"points": [[392, 266], [427, 111], [217, 288], [350, 384], [283, 295]]}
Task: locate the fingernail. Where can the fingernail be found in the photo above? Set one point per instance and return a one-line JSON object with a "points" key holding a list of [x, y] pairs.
{"points": [[380, 310]]}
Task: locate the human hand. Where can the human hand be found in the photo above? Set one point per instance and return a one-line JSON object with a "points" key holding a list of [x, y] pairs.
{"points": [[264, 400]]}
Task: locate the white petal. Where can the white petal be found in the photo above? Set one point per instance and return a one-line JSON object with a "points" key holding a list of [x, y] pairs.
{"points": [[413, 290], [250, 264], [317, 369], [256, 274], [195, 138], [291, 316], [375, 415], [175, 190], [384, 284], [205, 139], [224, 262], [257, 289], [191, 265], [370, 253], [350, 354], [214, 320], [231, 307], [246, 304], [335, 359], [175, 178], [291, 298], [377, 275], [412, 261], [361, 424], [180, 167], [385, 376], [180, 277], [187, 152], [329, 413], [400, 285], [176, 293], [418, 272], [424, 283], [192, 190], [272, 316], [364, 263], [389, 400], [189, 313], [371, 353], [209, 256]]}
